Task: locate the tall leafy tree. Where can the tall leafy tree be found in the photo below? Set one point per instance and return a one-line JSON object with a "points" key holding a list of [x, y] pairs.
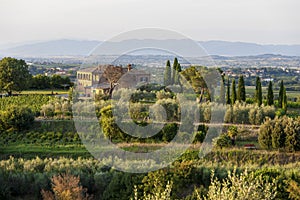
{"points": [[233, 92], [270, 96], [228, 100], [174, 70], [258, 92], [112, 74], [14, 75], [241, 95], [167, 74], [280, 98], [194, 76]]}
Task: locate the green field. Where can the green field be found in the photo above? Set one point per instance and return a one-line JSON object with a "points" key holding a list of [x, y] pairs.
{"points": [[250, 91]]}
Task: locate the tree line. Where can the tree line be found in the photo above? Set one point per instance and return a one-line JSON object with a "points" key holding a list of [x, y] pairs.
{"points": [[15, 76], [229, 95], [233, 95]]}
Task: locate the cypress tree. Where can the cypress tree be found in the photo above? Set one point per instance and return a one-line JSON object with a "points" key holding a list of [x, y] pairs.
{"points": [[222, 91], [241, 95], [174, 70], [256, 88], [167, 74], [178, 70], [233, 92], [179, 67], [284, 100], [270, 97], [228, 100], [280, 98], [258, 92]]}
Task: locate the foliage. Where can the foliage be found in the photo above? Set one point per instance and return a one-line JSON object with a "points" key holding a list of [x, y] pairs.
{"points": [[258, 92], [174, 71], [222, 91], [113, 74], [228, 100], [151, 87], [42, 82], [195, 78], [108, 124], [59, 108], [270, 95], [242, 113], [33, 102], [164, 95], [199, 136], [20, 177], [240, 187], [222, 141], [14, 75], [233, 92], [157, 193], [284, 100], [280, 97], [232, 132], [167, 74], [171, 108], [16, 118], [119, 187], [65, 187], [294, 190], [280, 133], [241, 94]]}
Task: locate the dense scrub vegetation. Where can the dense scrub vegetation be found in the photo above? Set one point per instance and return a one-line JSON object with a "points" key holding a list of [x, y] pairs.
{"points": [[281, 133], [16, 118], [182, 180], [33, 102]]}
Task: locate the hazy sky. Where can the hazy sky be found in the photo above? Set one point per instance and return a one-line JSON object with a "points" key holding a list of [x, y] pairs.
{"points": [[260, 21]]}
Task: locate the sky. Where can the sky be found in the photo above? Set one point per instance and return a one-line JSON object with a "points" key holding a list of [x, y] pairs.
{"points": [[258, 21]]}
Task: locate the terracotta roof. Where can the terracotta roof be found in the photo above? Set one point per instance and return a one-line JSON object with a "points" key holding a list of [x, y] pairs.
{"points": [[99, 69]]}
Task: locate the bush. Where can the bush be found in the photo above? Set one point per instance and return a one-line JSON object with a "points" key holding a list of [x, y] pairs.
{"points": [[65, 187], [16, 118], [59, 108], [280, 133], [199, 136], [222, 141], [240, 187]]}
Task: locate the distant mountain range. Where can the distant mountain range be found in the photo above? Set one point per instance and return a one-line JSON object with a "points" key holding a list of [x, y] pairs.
{"points": [[84, 47]]}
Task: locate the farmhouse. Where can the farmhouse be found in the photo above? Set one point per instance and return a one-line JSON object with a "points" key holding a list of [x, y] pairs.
{"points": [[93, 80]]}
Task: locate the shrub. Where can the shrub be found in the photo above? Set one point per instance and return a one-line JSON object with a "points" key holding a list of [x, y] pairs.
{"points": [[294, 190], [199, 136], [280, 133], [66, 187], [265, 134], [222, 141], [171, 108], [16, 118], [164, 95], [240, 187], [157, 193]]}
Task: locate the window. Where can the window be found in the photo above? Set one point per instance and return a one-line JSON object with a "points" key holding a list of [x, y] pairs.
{"points": [[145, 79]]}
